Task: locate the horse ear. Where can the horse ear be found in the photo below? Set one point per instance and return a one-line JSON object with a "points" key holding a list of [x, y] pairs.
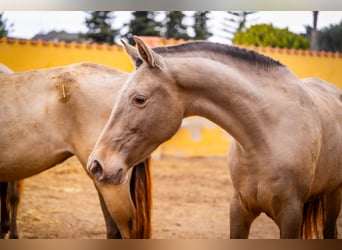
{"points": [[131, 51], [147, 54]]}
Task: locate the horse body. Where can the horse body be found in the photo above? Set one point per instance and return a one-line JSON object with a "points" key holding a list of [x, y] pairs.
{"points": [[10, 193], [287, 148], [51, 114], [279, 137], [48, 99]]}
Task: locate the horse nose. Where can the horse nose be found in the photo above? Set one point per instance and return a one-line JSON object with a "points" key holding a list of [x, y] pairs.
{"points": [[95, 169], [113, 176]]}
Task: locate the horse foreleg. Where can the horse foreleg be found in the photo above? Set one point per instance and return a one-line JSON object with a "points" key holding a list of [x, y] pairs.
{"points": [[5, 217], [289, 219], [14, 199], [332, 210], [240, 219]]}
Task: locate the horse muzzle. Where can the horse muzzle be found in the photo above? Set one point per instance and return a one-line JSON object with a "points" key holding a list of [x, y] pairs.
{"points": [[115, 174]]}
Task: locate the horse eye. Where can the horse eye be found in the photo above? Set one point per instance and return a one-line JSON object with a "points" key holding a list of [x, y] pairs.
{"points": [[139, 100]]}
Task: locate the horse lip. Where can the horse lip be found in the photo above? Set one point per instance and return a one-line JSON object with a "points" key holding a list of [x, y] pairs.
{"points": [[119, 178]]}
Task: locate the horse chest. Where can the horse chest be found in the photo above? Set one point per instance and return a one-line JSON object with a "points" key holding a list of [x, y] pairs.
{"points": [[258, 186]]}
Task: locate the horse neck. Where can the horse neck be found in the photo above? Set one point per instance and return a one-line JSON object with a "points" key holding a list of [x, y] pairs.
{"points": [[237, 97], [91, 106]]}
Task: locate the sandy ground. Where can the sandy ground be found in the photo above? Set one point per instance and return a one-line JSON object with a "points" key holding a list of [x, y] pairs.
{"points": [[191, 201]]}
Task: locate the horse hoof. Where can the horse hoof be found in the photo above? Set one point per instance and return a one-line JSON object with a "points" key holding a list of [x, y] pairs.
{"points": [[5, 229], [13, 236]]}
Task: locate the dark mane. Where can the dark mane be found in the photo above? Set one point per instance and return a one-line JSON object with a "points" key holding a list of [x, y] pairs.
{"points": [[235, 52]]}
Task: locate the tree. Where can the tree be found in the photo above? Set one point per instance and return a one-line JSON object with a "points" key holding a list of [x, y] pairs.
{"points": [[175, 27], [267, 35], [235, 21], [330, 38], [200, 25], [59, 36], [313, 37], [100, 28], [143, 23], [3, 28]]}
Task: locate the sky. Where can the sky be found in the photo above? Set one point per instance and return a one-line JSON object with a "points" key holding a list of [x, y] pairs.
{"points": [[28, 23]]}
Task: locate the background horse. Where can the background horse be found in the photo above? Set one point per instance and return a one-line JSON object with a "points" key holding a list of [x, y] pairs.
{"points": [[10, 193], [285, 159], [51, 114]]}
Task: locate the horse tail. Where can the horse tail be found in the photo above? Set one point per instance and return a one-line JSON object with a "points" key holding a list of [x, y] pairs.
{"points": [[5, 214], [141, 186], [313, 219]]}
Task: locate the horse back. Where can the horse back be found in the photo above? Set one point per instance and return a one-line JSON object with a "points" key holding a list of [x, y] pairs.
{"points": [[327, 100]]}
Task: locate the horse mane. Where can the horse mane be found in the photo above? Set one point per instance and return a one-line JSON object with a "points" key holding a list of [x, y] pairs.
{"points": [[249, 56], [140, 188]]}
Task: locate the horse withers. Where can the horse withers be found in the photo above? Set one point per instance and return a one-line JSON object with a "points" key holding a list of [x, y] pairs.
{"points": [[285, 159], [51, 114]]}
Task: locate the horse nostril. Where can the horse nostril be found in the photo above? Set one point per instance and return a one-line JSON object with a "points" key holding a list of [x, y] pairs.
{"points": [[96, 169]]}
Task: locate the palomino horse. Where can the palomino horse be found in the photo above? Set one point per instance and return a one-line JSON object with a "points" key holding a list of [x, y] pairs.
{"points": [[10, 196], [285, 160], [51, 114]]}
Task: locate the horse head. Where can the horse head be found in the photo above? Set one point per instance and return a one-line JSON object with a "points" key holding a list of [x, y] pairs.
{"points": [[147, 112]]}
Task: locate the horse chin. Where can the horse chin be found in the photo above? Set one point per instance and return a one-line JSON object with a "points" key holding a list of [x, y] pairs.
{"points": [[120, 178], [125, 179]]}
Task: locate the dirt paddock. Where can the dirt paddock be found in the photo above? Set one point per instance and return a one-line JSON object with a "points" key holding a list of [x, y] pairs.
{"points": [[191, 201]]}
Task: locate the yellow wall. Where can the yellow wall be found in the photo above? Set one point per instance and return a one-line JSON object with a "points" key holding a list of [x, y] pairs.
{"points": [[23, 55], [323, 65], [197, 136]]}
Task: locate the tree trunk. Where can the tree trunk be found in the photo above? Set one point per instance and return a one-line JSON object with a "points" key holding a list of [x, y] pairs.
{"points": [[313, 38]]}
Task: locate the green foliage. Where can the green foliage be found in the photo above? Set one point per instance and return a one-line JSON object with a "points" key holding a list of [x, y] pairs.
{"points": [[174, 25], [3, 29], [330, 38], [143, 23], [100, 28], [200, 25], [266, 35]]}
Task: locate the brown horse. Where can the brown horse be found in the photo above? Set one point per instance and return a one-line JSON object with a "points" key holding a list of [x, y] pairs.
{"points": [[51, 114], [285, 160]]}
